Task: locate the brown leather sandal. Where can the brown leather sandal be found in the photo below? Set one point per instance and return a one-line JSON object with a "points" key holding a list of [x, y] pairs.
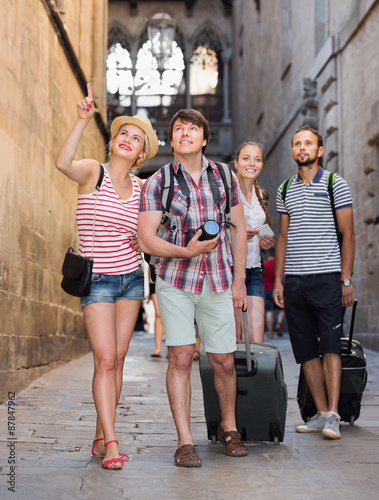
{"points": [[186, 456], [232, 442]]}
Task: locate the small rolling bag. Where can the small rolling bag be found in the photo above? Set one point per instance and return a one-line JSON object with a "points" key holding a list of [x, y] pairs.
{"points": [[261, 392], [353, 381]]}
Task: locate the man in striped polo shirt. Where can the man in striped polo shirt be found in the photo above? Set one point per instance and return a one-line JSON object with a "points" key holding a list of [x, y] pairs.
{"points": [[317, 274]]}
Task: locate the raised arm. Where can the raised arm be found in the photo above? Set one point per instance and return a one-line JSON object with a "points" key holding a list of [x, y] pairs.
{"points": [[81, 171]]}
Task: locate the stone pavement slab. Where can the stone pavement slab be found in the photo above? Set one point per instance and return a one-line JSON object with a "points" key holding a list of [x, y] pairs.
{"points": [[55, 420]]}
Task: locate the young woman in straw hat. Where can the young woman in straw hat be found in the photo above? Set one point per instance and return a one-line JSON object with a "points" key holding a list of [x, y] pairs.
{"points": [[111, 309]]}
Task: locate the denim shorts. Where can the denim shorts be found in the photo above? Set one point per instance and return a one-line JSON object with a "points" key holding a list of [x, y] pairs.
{"points": [[254, 282], [113, 287]]}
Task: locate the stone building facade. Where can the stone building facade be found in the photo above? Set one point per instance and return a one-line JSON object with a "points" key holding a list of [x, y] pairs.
{"points": [[197, 23], [48, 50], [316, 62]]}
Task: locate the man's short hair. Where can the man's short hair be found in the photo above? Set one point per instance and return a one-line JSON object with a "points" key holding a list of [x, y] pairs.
{"points": [[320, 140], [190, 116]]}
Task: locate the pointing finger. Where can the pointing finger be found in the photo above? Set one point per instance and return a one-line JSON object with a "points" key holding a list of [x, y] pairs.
{"points": [[89, 90]]}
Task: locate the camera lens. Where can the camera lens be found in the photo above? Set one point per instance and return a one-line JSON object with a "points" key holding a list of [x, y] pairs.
{"points": [[210, 229]]}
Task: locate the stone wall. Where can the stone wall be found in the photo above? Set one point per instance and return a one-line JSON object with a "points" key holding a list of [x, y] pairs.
{"points": [[316, 62], [46, 55]]}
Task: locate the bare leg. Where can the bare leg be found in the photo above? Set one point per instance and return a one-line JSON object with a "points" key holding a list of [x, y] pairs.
{"points": [[126, 313], [270, 320], [256, 312], [332, 375], [158, 327], [225, 385], [179, 390], [126, 317], [280, 316], [313, 372], [101, 329]]}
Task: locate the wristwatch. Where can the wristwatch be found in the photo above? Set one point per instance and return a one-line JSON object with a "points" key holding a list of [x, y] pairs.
{"points": [[346, 282]]}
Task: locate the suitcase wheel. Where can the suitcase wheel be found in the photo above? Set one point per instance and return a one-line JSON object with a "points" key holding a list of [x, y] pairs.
{"points": [[276, 440], [352, 420], [212, 431]]}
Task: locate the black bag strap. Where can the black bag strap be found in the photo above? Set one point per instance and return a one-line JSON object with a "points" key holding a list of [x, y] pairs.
{"points": [[101, 177], [330, 178], [214, 186]]}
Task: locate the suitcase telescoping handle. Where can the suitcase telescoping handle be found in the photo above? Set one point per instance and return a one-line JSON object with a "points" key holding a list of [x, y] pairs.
{"points": [[352, 326], [247, 339]]}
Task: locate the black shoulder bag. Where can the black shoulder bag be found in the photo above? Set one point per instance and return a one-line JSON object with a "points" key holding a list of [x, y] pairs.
{"points": [[76, 269]]}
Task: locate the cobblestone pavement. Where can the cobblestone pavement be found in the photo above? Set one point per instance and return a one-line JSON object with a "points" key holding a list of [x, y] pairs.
{"points": [[54, 428]]}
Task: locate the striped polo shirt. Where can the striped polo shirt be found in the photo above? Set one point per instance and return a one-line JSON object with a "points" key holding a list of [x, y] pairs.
{"points": [[116, 226], [312, 246]]}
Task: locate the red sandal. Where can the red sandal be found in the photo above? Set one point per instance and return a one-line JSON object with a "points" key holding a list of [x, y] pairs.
{"points": [[113, 463], [124, 456]]}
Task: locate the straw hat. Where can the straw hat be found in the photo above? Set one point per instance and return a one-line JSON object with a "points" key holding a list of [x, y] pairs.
{"points": [[144, 124]]}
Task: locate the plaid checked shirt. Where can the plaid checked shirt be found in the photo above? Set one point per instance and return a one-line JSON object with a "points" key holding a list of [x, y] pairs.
{"points": [[188, 274]]}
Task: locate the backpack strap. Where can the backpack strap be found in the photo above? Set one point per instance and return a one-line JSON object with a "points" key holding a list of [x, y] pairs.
{"points": [[330, 178], [285, 187], [226, 176], [167, 191]]}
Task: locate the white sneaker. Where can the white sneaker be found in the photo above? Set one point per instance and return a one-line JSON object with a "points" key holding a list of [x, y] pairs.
{"points": [[332, 426], [315, 424]]}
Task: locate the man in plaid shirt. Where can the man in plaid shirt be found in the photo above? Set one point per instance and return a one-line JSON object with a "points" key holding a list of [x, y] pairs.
{"points": [[194, 280]]}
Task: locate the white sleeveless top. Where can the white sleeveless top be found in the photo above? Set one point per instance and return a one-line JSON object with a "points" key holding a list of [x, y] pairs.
{"points": [[116, 226]]}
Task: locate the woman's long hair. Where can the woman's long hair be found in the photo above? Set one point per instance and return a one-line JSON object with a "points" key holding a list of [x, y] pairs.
{"points": [[261, 194]]}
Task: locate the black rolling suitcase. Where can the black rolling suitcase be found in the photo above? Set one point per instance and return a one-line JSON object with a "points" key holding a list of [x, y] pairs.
{"points": [[353, 381], [261, 392]]}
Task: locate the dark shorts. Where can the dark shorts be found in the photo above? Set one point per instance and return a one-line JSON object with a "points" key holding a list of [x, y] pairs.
{"points": [[269, 301], [254, 282], [313, 307], [114, 287]]}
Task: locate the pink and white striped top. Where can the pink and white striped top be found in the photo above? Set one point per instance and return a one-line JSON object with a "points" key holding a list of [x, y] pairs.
{"points": [[116, 226]]}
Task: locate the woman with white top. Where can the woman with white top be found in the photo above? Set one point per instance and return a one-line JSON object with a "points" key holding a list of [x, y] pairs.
{"points": [[249, 163], [117, 286]]}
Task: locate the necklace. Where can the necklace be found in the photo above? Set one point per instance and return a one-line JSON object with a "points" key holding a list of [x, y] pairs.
{"points": [[118, 182]]}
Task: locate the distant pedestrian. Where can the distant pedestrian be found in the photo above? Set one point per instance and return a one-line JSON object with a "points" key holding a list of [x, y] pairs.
{"points": [[111, 309], [271, 308], [158, 326]]}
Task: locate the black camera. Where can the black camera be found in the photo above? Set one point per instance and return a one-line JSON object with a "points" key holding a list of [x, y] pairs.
{"points": [[210, 230]]}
